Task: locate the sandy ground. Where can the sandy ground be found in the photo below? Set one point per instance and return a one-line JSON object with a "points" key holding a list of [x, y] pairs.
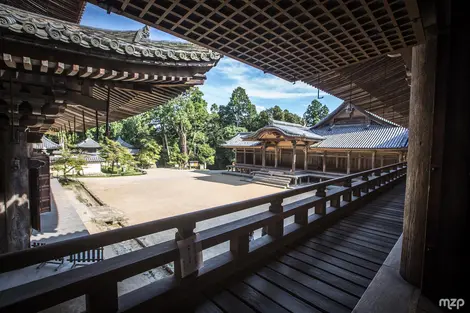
{"points": [[167, 192]]}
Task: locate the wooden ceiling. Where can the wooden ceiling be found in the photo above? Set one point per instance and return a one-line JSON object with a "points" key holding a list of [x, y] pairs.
{"points": [[299, 40], [66, 10]]}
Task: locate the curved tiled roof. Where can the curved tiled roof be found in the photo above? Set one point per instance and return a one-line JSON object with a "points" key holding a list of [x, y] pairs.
{"points": [[46, 144], [124, 144], [239, 141], [363, 137], [88, 144], [129, 43], [287, 129]]}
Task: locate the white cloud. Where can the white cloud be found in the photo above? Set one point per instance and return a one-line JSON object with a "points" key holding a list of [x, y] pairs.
{"points": [[260, 108], [257, 84]]}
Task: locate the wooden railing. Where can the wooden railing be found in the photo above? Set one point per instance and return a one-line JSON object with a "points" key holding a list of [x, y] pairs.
{"points": [[99, 281]]}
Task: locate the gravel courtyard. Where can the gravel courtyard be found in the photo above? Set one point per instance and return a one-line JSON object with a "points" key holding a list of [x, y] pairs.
{"points": [[167, 192]]}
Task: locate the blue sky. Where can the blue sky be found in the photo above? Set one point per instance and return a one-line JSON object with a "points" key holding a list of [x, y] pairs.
{"points": [[264, 90]]}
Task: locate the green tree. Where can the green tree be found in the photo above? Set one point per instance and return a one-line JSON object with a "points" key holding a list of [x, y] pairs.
{"points": [[69, 162], [149, 153], [292, 117], [178, 158], [115, 154], [315, 112], [206, 154], [115, 129], [239, 111]]}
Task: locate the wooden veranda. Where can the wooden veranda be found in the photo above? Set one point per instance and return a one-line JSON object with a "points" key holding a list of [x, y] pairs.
{"points": [[315, 219]]}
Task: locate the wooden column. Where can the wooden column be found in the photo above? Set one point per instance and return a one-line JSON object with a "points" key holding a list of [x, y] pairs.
{"points": [[348, 163], [381, 161], [236, 154], [83, 123], [306, 156], [254, 156], [97, 135], [275, 156], [15, 225], [337, 161], [324, 161], [359, 162], [244, 156], [280, 156], [108, 100], [373, 160], [263, 154], [294, 154], [419, 161]]}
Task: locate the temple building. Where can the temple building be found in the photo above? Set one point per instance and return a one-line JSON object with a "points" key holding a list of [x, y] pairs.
{"points": [[58, 75], [350, 139]]}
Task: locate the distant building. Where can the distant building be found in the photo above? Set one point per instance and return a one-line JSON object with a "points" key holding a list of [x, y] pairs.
{"points": [[350, 139], [46, 145], [89, 146], [132, 149]]}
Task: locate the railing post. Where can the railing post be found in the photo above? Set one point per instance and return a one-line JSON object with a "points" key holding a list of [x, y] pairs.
{"points": [[378, 181], [239, 246], [184, 232], [276, 229], [106, 300], [365, 177], [347, 195], [320, 206]]}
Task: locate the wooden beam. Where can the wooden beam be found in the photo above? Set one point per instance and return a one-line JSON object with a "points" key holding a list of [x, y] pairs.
{"points": [[89, 102], [8, 59], [27, 63], [44, 66]]}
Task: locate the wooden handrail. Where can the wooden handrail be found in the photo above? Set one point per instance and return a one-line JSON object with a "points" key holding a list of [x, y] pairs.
{"points": [[52, 290], [16, 260]]}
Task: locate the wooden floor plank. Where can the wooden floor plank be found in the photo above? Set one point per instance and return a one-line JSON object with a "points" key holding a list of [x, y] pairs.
{"points": [[256, 300], [343, 247], [359, 242], [324, 276], [230, 304], [278, 295], [338, 262], [330, 268], [380, 215], [208, 307], [370, 238], [371, 226], [343, 256], [352, 228], [392, 226], [308, 289]]}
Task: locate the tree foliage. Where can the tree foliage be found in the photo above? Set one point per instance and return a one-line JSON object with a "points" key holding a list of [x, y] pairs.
{"points": [[149, 153], [69, 163], [186, 128], [316, 111], [115, 154]]}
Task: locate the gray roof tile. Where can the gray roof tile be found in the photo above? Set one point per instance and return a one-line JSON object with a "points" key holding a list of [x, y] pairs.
{"points": [[47, 144], [88, 144]]}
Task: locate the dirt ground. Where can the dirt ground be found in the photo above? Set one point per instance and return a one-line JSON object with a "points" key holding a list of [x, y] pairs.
{"points": [[167, 192]]}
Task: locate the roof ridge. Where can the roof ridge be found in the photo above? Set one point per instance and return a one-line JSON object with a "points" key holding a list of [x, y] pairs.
{"points": [[286, 123]]}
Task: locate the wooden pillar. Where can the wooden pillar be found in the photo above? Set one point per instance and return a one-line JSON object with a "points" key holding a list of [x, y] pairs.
{"points": [[263, 154], [337, 161], [419, 161], [236, 155], [254, 156], [244, 156], [294, 154], [359, 162], [280, 156], [373, 160], [15, 225], [324, 161], [306, 156], [381, 161], [97, 135], [108, 99], [275, 156], [348, 163], [83, 123]]}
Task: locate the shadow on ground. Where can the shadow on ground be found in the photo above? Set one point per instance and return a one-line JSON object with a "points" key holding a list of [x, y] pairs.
{"points": [[218, 178]]}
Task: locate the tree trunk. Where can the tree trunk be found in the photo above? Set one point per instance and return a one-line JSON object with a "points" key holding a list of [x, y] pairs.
{"points": [[165, 139], [183, 143]]}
